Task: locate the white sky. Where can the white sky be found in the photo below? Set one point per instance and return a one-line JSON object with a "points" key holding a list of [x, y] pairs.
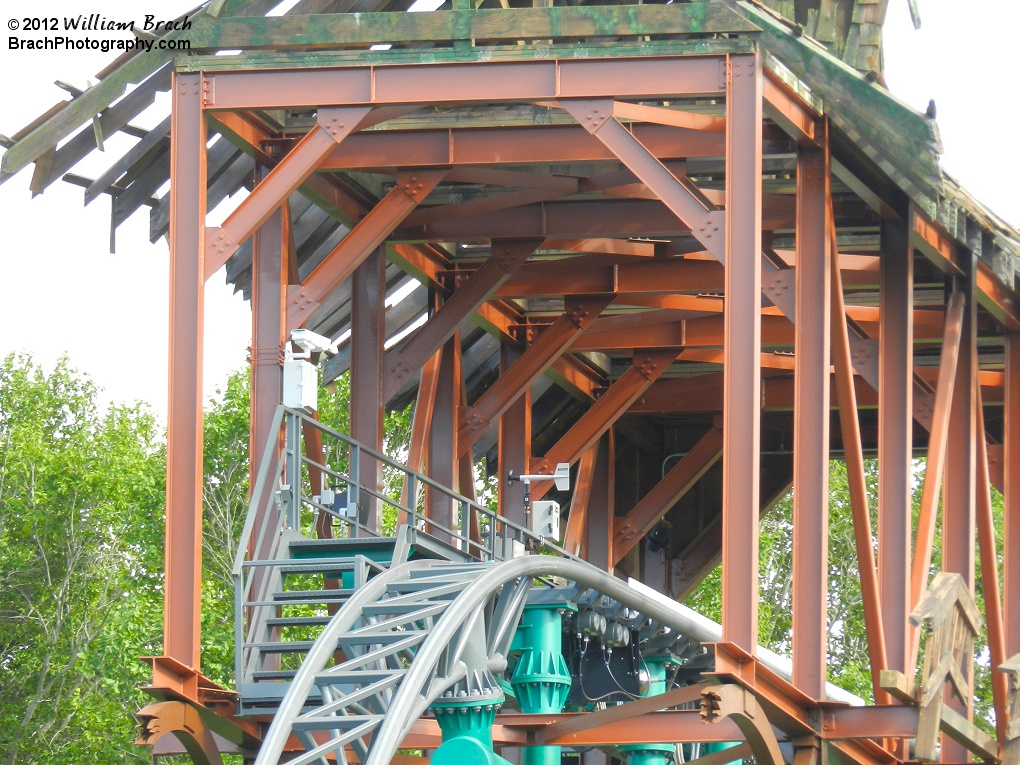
{"points": [[62, 292]]}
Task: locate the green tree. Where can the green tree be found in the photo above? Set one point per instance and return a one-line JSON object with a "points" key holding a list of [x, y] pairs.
{"points": [[80, 519]]}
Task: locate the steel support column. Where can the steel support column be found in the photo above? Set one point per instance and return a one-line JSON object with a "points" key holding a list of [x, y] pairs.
{"points": [[895, 429], [990, 573], [268, 331], [598, 544], [514, 441], [850, 433], [811, 425], [1011, 498], [742, 373], [443, 434], [580, 501], [368, 326], [181, 611], [959, 511]]}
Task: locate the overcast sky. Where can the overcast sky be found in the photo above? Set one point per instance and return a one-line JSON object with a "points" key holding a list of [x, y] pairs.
{"points": [[63, 292]]}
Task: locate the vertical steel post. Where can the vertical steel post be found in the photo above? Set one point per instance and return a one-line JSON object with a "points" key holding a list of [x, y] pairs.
{"points": [[1011, 495], [811, 425], [181, 612], [602, 506], [895, 426], [514, 443], [742, 372], [268, 331], [959, 509], [443, 434], [368, 322]]}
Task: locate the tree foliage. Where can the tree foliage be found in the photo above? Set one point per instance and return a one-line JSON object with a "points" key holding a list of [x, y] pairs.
{"points": [[81, 497]]}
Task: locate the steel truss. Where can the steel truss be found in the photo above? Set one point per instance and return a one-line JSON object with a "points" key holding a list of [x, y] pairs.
{"points": [[646, 253]]}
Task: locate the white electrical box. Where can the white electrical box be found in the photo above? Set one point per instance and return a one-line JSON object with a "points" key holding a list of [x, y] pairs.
{"points": [[545, 519], [300, 385], [508, 549]]}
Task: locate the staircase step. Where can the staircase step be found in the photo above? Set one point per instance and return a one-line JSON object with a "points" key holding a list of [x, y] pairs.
{"points": [[324, 566], [298, 621], [286, 646], [312, 597], [378, 549], [271, 675]]}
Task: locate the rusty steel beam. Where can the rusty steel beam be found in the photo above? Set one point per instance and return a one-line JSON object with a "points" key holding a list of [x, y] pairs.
{"points": [[598, 541], [895, 435], [269, 291], [847, 723], [332, 126], [704, 394], [404, 362], [181, 610], [370, 232], [495, 81], [959, 506], [579, 315], [573, 535], [811, 423], [572, 219], [368, 329], [443, 434], [675, 725], [937, 448], [784, 108], [628, 530], [647, 367], [705, 222], [584, 275], [417, 451], [627, 711], [742, 375], [853, 455], [740, 705], [665, 330], [469, 147], [990, 576], [1011, 497], [514, 441]]}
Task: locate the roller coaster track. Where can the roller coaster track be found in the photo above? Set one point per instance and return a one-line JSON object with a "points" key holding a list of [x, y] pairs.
{"points": [[409, 635]]}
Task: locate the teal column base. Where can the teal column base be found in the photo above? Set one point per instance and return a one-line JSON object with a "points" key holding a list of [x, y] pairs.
{"points": [[466, 751], [468, 710], [541, 680], [646, 754]]}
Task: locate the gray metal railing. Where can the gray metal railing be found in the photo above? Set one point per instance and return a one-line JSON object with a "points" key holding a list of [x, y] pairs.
{"points": [[285, 499]]}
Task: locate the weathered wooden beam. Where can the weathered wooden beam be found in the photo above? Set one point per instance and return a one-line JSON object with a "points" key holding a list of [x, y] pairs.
{"points": [[351, 29]]}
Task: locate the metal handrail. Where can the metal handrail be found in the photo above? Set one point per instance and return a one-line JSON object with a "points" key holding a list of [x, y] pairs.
{"points": [[282, 494]]}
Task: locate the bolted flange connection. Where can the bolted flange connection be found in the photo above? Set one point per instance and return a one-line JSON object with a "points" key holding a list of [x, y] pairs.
{"points": [[468, 709]]}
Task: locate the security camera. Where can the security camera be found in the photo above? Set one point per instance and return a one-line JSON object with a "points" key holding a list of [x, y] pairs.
{"points": [[561, 477], [311, 342]]}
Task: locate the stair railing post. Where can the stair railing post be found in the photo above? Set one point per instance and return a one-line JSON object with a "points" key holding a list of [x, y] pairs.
{"points": [[354, 490], [294, 470]]}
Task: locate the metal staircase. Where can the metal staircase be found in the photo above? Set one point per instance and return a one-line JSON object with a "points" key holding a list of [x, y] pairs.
{"points": [[344, 643], [288, 585]]}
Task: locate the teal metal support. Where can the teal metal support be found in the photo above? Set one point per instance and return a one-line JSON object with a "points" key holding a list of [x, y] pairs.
{"points": [[541, 680], [465, 715], [651, 754]]}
